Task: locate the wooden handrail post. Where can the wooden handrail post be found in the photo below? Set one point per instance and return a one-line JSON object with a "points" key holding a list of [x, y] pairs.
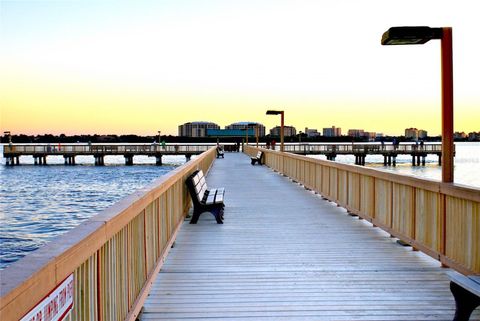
{"points": [[447, 106]]}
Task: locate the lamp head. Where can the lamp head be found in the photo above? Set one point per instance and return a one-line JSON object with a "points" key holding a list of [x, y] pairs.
{"points": [[274, 112], [410, 35]]}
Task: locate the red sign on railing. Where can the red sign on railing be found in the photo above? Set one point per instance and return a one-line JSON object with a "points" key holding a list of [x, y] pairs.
{"points": [[56, 305]]}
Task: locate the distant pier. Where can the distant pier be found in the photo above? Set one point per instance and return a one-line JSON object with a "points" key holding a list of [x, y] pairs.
{"points": [[39, 152], [418, 152]]}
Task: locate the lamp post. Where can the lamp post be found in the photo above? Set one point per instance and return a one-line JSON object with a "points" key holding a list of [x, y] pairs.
{"points": [[421, 35], [7, 133], [159, 132], [281, 113]]}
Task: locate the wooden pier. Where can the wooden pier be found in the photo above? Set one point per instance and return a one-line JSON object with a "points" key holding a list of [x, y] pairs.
{"points": [[39, 152], [286, 253], [417, 151]]}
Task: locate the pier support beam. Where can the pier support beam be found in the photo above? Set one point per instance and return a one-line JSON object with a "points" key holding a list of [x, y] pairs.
{"points": [[69, 159], [331, 157], [188, 157], [158, 160], [40, 160], [360, 159], [128, 159], [99, 160], [10, 161]]}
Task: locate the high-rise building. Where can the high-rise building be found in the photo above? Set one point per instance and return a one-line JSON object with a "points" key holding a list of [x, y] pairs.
{"points": [[332, 132], [415, 134], [370, 135], [411, 133], [250, 125], [311, 132], [422, 134], [356, 133], [196, 129], [287, 131]]}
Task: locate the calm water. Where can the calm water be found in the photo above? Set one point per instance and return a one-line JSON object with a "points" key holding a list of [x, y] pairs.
{"points": [[38, 203], [466, 171]]}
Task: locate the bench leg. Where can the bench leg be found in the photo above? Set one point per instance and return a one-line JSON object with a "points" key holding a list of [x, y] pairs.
{"points": [[217, 212], [195, 216], [465, 302]]}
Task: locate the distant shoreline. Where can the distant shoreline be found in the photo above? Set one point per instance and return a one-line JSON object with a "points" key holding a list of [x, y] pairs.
{"points": [[105, 139]]}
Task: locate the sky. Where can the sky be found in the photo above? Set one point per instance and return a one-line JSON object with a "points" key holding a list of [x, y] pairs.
{"points": [[136, 67]]}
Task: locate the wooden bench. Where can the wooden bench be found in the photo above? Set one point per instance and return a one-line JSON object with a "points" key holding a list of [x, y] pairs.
{"points": [[258, 158], [204, 199], [466, 291]]}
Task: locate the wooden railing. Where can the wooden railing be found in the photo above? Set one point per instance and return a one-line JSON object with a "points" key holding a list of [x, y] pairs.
{"points": [[440, 219], [110, 149], [358, 148], [114, 256]]}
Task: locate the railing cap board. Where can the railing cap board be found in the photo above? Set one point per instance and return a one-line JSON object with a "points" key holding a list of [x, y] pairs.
{"points": [[461, 191]]}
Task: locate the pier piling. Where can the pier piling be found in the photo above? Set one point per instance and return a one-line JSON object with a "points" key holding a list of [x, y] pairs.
{"points": [[128, 159]]}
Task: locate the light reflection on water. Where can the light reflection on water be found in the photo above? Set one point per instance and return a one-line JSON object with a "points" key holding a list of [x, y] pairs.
{"points": [[38, 203]]}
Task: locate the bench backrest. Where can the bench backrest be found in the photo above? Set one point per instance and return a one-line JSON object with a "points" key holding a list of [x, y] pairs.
{"points": [[198, 184], [259, 154]]}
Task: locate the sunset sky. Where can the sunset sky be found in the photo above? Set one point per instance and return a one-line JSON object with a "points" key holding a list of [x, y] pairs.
{"points": [[121, 67]]}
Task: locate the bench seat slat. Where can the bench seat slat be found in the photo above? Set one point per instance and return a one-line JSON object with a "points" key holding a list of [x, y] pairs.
{"points": [[219, 198], [210, 198]]}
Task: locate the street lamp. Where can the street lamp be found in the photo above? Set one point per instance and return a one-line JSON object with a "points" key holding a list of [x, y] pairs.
{"points": [[420, 35], [281, 113], [9, 135], [159, 132]]}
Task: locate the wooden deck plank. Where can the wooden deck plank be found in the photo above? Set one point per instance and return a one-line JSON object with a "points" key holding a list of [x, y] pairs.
{"points": [[284, 253]]}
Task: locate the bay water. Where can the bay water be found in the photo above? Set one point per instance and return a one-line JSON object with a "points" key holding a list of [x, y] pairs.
{"points": [[38, 203]]}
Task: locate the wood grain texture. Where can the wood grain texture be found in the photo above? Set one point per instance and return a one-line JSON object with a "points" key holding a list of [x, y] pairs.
{"points": [[285, 253]]}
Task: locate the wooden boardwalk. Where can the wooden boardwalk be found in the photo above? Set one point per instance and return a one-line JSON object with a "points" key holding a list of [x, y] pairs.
{"points": [[284, 253]]}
